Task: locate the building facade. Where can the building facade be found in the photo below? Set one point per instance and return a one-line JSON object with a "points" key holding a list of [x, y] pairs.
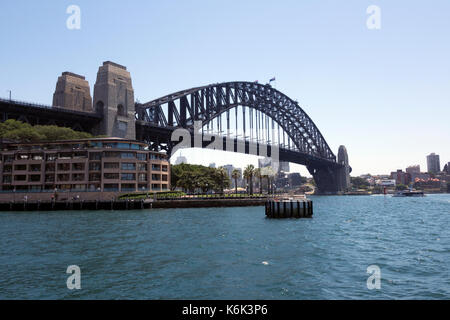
{"points": [[433, 163], [111, 165]]}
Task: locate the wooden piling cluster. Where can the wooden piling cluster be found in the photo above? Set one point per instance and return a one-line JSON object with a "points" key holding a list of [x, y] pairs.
{"points": [[278, 209]]}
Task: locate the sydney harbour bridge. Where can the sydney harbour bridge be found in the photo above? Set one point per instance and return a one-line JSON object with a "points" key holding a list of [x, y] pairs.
{"points": [[244, 117]]}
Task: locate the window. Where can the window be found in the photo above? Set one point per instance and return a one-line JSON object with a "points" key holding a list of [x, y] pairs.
{"points": [[142, 166], [164, 177], [7, 179], [99, 107], [7, 168], [156, 167], [20, 167], [80, 155], [49, 178], [142, 156], [20, 178], [79, 187], [111, 187], [95, 156], [156, 177], [128, 176], [128, 166], [122, 126], [128, 187], [142, 177], [50, 167], [8, 158], [51, 157], [111, 176], [111, 165], [94, 166], [121, 145], [37, 157], [128, 155], [94, 177], [135, 147], [63, 166], [78, 166], [121, 110], [22, 157], [35, 167], [78, 177], [34, 178], [63, 177], [164, 168], [110, 154], [65, 155]]}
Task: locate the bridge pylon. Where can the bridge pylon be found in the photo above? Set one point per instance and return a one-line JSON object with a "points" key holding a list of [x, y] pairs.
{"points": [[333, 180], [114, 99]]}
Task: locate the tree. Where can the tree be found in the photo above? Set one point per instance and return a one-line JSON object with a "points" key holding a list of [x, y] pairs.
{"points": [[223, 181], [359, 183], [190, 177], [236, 174], [248, 174], [401, 187], [24, 132], [258, 174]]}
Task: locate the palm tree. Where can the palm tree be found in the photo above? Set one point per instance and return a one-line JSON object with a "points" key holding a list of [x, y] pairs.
{"points": [[224, 180], [258, 174], [248, 174], [235, 174]]}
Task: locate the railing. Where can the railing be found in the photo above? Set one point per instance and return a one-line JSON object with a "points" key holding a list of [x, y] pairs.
{"points": [[47, 107]]}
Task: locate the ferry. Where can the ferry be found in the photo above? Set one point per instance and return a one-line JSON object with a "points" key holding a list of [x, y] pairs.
{"points": [[408, 193]]}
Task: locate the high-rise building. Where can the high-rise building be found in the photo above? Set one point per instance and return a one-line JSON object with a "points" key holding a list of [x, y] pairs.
{"points": [[433, 163], [180, 160], [229, 168]]}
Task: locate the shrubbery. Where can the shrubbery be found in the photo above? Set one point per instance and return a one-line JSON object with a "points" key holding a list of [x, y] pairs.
{"points": [[23, 132]]}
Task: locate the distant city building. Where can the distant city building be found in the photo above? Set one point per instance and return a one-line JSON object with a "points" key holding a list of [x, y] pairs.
{"points": [[386, 182], [413, 169], [401, 177], [180, 160], [229, 168], [433, 163], [447, 168]]}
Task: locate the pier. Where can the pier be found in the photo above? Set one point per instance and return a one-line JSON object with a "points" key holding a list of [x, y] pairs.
{"points": [[289, 208]]}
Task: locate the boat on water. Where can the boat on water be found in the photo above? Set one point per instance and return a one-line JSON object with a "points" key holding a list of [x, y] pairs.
{"points": [[408, 193]]}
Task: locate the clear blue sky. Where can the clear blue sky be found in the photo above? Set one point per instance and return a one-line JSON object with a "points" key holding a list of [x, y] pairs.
{"points": [[385, 94]]}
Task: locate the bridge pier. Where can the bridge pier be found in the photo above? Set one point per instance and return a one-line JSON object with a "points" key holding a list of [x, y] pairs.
{"points": [[333, 180]]}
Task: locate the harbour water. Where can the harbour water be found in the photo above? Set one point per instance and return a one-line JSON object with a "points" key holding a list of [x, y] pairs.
{"points": [[232, 253]]}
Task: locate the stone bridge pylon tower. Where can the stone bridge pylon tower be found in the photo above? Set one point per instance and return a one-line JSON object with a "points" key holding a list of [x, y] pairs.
{"points": [[114, 99]]}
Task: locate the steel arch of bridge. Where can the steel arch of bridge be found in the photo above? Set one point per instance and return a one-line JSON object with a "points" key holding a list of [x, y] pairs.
{"points": [[208, 102]]}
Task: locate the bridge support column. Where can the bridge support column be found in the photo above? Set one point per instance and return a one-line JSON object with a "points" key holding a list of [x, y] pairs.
{"points": [[333, 180], [114, 98]]}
